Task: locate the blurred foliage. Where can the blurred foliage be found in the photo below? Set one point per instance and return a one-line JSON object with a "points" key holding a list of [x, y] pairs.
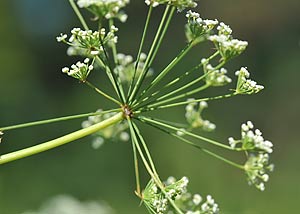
{"points": [[32, 87]]}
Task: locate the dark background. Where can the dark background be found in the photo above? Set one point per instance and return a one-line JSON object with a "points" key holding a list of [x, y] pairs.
{"points": [[32, 88]]}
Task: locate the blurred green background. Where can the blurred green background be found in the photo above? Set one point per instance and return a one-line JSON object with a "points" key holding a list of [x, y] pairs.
{"points": [[32, 88]]}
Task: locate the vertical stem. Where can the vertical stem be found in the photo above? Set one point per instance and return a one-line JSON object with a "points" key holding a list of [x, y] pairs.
{"points": [[136, 170], [140, 51], [80, 17], [61, 140], [141, 76]]}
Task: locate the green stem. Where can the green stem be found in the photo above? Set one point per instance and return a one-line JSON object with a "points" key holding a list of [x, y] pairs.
{"points": [[174, 81], [41, 122], [136, 170], [187, 102], [200, 148], [140, 51], [137, 131], [153, 175], [102, 93], [167, 69], [61, 140], [109, 75], [80, 17], [154, 121], [152, 49]]}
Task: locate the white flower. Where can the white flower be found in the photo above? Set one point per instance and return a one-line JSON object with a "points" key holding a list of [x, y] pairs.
{"points": [[256, 169], [80, 70], [62, 37], [244, 85]]}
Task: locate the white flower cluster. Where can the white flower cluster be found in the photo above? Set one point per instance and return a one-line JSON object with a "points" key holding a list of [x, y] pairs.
{"points": [[113, 133], [179, 4], [215, 77], [193, 203], [156, 201], [80, 70], [194, 118], [259, 149], [224, 42], [198, 28], [257, 167], [105, 8], [65, 204], [244, 85], [252, 140], [125, 67], [1, 133], [88, 42]]}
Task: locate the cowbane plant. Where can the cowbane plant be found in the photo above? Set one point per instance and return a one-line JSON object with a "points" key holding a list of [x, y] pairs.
{"points": [[139, 89]]}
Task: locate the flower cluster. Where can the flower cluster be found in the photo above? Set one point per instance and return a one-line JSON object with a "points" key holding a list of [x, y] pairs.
{"points": [[88, 42], [125, 67], [105, 8], [227, 46], [179, 4], [194, 118], [184, 200], [156, 200], [252, 140], [259, 149], [215, 77], [115, 132], [256, 169], [80, 70], [244, 85], [197, 28]]}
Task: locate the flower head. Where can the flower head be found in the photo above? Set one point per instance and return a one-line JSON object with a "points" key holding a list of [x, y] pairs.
{"points": [[251, 140], [105, 8], [256, 168], [179, 4], [88, 42], [80, 70], [197, 28], [216, 77], [244, 85], [125, 67], [194, 118]]}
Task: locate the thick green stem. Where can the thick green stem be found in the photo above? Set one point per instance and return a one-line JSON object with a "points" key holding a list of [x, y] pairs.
{"points": [[61, 140]]}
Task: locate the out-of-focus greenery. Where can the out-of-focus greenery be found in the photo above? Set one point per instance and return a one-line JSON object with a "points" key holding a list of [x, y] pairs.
{"points": [[32, 87]]}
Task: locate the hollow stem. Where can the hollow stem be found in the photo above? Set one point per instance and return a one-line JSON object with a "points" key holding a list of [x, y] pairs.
{"points": [[61, 140]]}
